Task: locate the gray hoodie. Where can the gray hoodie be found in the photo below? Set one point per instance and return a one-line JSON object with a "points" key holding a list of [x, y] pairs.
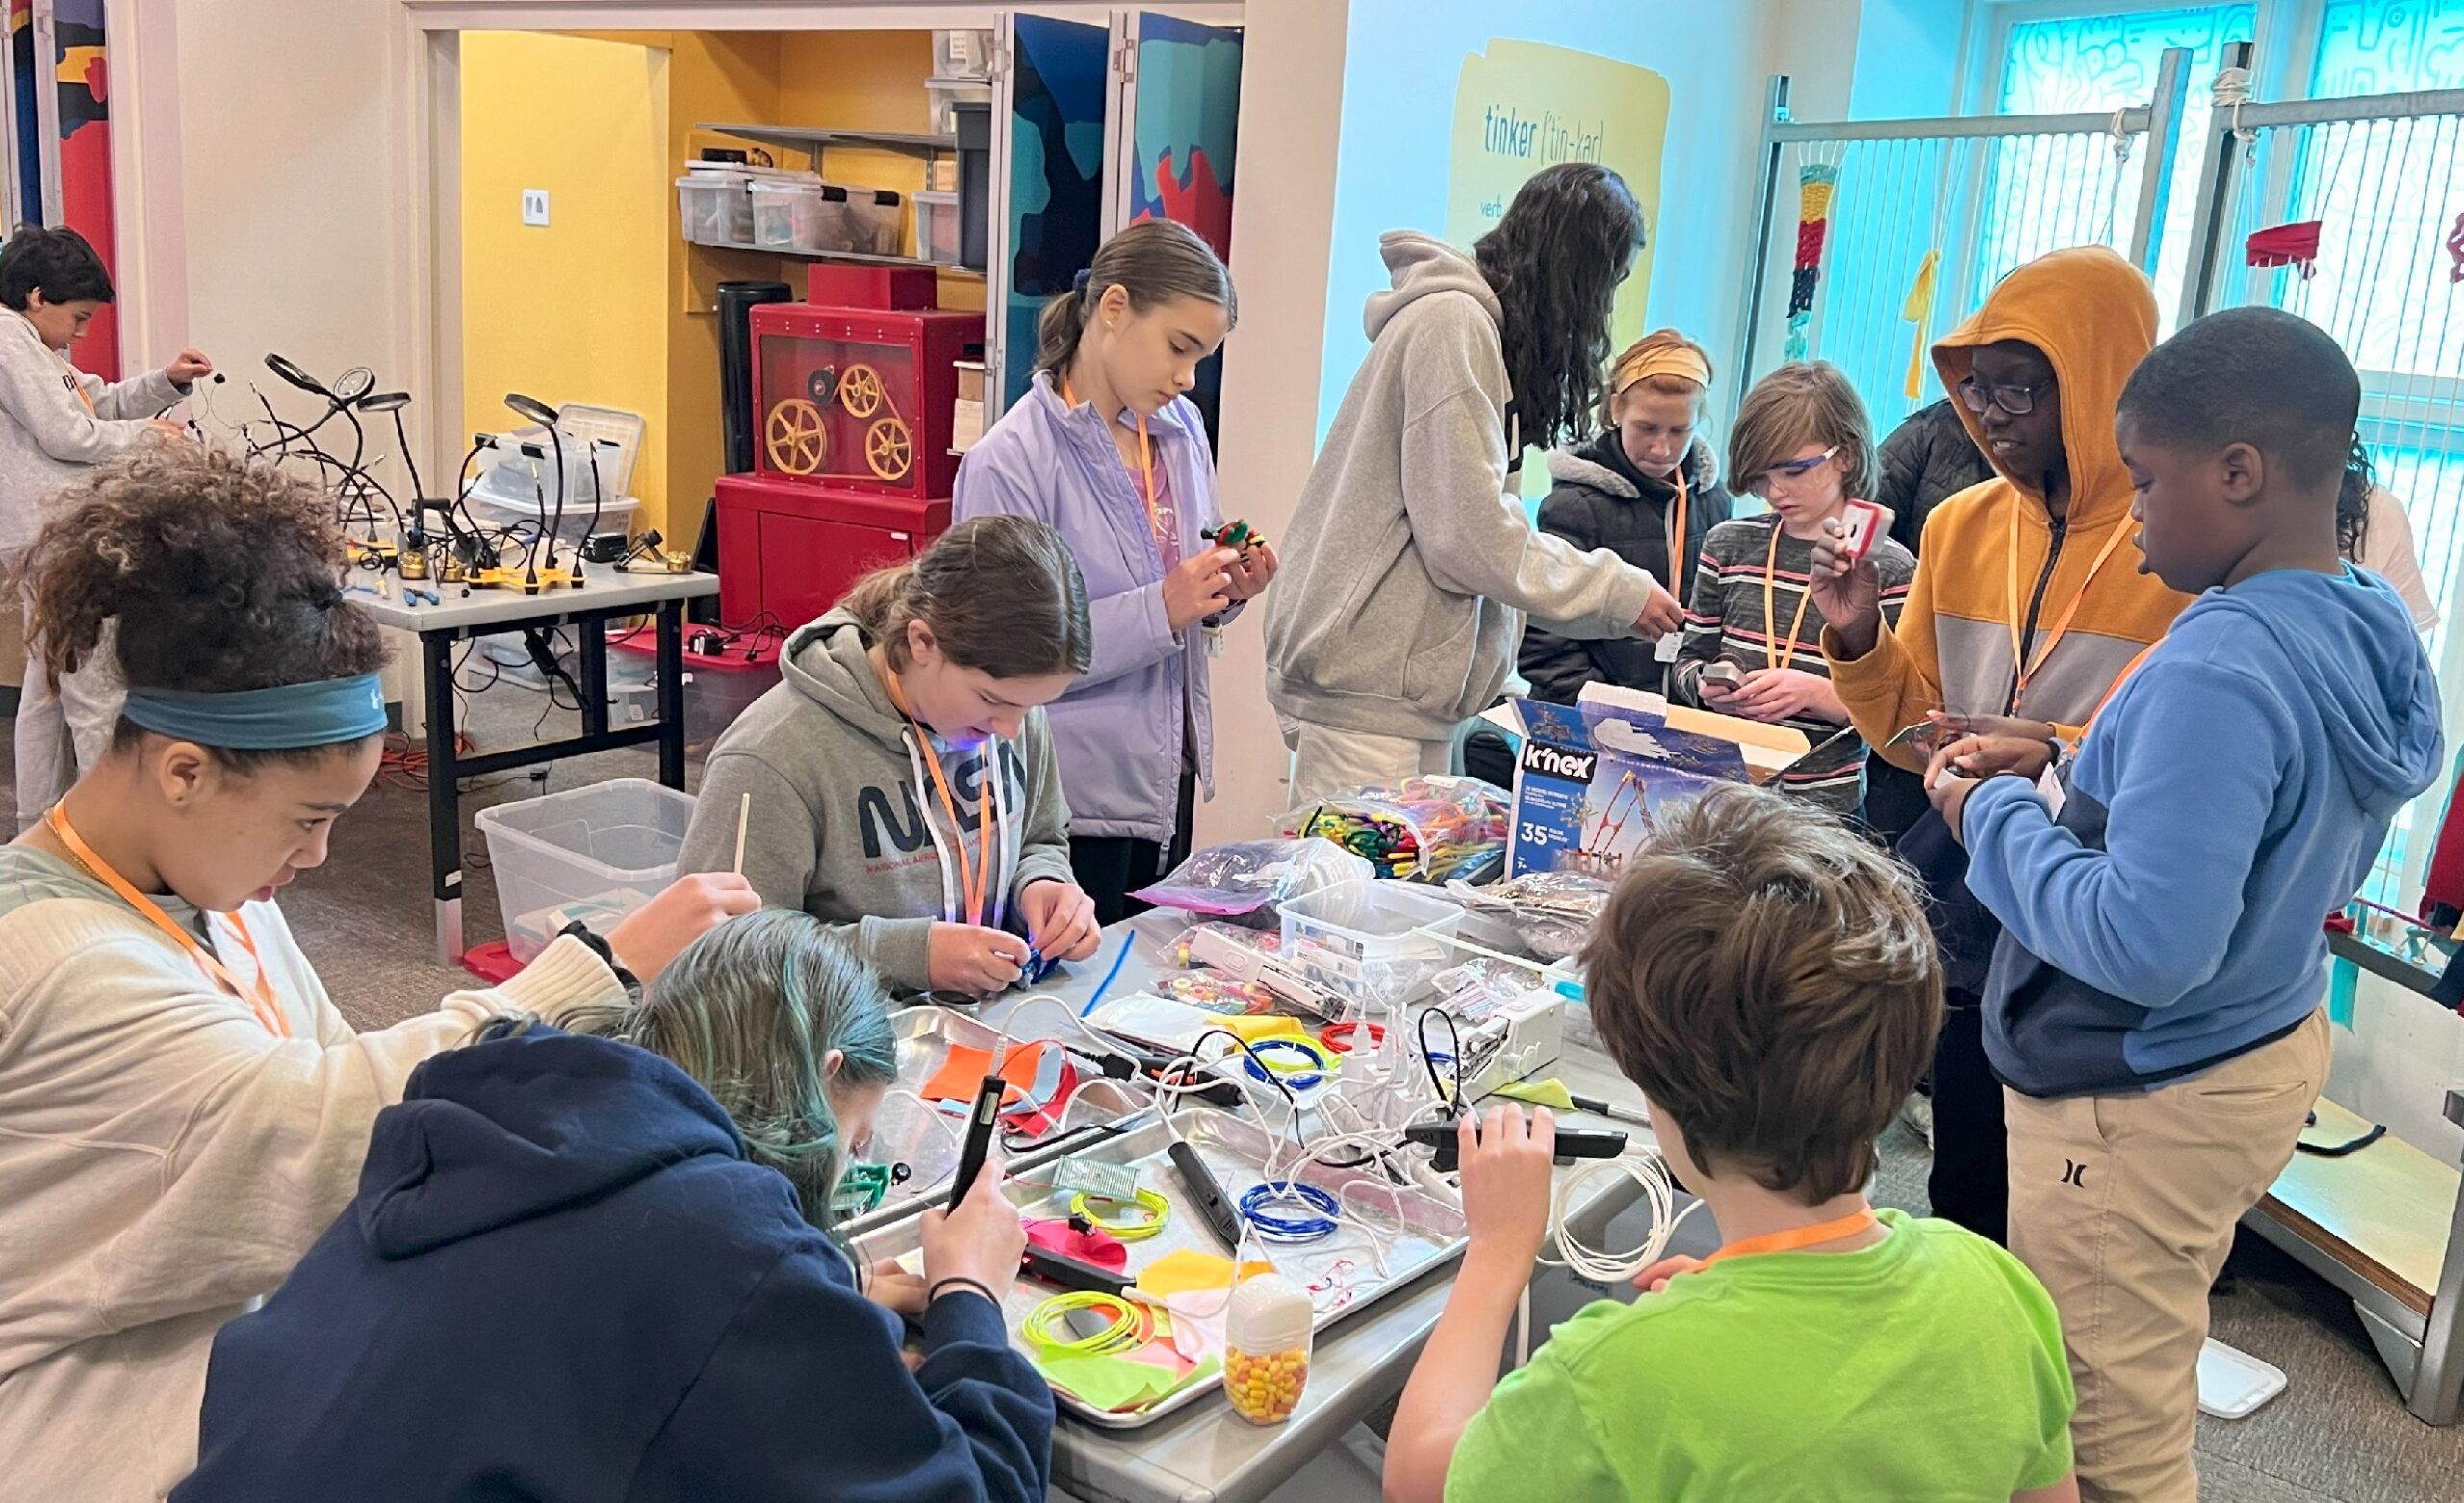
{"points": [[1408, 569], [57, 422], [847, 822]]}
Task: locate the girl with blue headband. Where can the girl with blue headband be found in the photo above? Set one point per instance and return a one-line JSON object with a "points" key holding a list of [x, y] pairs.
{"points": [[182, 1107], [638, 1225]]}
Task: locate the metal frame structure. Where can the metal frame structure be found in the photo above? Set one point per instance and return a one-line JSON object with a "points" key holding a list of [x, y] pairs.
{"points": [[2151, 128], [2424, 1350]]}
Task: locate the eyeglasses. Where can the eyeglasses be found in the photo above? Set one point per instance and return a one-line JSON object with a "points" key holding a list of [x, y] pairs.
{"points": [[1792, 469], [2017, 401]]}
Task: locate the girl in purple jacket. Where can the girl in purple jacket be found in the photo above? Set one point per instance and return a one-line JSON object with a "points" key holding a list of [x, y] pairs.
{"points": [[1106, 448]]}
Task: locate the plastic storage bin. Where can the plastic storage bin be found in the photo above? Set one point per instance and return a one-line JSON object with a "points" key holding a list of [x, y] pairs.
{"points": [[936, 227], [1381, 941], [941, 96], [715, 204], [876, 223], [718, 686], [797, 216], [595, 853]]}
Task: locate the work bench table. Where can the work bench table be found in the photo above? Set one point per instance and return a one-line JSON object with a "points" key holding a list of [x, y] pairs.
{"points": [[459, 618], [1205, 1453]]}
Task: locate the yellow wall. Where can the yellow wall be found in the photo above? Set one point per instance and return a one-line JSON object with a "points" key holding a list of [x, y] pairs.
{"points": [[570, 312]]}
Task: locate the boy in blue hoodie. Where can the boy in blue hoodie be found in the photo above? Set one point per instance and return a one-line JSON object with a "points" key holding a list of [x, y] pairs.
{"points": [[2153, 1006]]}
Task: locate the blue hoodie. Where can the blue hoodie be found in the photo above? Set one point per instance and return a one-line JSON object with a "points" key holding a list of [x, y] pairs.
{"points": [[2231, 795], [563, 1281]]}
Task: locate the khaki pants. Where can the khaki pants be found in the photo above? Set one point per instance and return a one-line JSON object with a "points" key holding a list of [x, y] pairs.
{"points": [[1327, 762], [2124, 1207]]}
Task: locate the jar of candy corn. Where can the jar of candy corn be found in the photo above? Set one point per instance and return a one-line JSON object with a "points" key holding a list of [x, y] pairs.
{"points": [[1265, 1348]]}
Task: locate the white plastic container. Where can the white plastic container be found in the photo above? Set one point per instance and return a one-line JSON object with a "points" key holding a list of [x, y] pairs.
{"points": [[936, 227], [788, 215], [594, 854], [942, 96], [523, 520], [1268, 1335], [962, 54], [1381, 941], [716, 208]]}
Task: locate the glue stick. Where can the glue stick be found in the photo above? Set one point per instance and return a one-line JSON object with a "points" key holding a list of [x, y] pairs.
{"points": [[1265, 1348]]}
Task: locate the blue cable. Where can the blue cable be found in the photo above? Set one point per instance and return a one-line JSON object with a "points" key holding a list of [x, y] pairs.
{"points": [[1299, 1080], [1128, 941], [1290, 1229]]}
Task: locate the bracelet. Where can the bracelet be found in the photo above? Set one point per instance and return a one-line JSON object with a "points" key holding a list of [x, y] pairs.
{"points": [[1273, 1228], [961, 1280], [1318, 1062], [1158, 1210]]}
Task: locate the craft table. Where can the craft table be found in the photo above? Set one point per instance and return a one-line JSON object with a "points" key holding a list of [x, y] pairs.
{"points": [[1206, 1454], [458, 618]]}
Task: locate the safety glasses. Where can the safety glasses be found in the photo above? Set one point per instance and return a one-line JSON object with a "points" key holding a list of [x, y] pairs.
{"points": [[2017, 401], [1788, 471]]}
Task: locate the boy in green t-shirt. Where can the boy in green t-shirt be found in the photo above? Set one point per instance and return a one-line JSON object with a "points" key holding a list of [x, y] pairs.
{"points": [[1766, 977]]}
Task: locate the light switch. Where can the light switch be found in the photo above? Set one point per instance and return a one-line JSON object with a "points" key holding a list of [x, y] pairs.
{"points": [[535, 206]]}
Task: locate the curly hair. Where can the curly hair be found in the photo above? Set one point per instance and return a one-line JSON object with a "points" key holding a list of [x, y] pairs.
{"points": [[217, 574], [1556, 261]]}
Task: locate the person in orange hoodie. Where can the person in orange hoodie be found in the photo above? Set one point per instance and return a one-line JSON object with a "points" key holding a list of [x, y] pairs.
{"points": [[2029, 604]]}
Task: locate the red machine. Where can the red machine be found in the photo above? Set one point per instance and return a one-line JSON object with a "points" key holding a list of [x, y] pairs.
{"points": [[852, 462]]}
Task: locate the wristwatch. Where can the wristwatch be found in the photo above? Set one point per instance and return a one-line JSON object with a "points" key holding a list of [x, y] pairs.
{"points": [[606, 953]]}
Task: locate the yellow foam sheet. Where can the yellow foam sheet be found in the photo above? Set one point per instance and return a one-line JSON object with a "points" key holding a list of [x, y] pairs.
{"points": [[1187, 1271]]}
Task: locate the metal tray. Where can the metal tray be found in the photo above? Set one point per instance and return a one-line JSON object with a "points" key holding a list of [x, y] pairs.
{"points": [[1418, 1231], [931, 1139]]}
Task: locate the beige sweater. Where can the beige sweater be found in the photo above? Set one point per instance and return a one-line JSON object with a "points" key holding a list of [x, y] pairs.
{"points": [[165, 1161], [49, 437]]}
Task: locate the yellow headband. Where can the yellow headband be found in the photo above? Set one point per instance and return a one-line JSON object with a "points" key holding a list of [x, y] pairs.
{"points": [[1671, 360]]}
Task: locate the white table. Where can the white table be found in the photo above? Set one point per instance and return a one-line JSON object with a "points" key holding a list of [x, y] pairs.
{"points": [[461, 614], [1205, 1453]]}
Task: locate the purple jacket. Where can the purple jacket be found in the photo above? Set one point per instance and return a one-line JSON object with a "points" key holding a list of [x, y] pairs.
{"points": [[1119, 730]]}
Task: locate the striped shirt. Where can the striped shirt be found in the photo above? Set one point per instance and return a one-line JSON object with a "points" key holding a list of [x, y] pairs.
{"points": [[1726, 620]]}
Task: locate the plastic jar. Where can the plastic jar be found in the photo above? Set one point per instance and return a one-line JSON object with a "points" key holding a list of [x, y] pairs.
{"points": [[1265, 1348]]}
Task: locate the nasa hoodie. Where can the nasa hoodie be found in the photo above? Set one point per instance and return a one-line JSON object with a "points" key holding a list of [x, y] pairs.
{"points": [[846, 822]]}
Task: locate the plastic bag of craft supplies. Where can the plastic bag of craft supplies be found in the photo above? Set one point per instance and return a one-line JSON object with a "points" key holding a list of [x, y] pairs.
{"points": [[1245, 879], [1429, 829]]}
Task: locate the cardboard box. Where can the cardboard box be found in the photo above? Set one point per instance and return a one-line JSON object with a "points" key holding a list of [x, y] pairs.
{"points": [[1589, 775]]}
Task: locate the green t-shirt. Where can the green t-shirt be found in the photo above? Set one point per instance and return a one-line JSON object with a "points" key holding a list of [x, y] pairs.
{"points": [[1926, 1369]]}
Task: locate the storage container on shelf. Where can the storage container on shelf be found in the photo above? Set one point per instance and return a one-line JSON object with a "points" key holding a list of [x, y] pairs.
{"points": [[791, 214], [962, 54], [593, 854], [716, 201], [718, 686], [1382, 941], [942, 95], [936, 227], [876, 220]]}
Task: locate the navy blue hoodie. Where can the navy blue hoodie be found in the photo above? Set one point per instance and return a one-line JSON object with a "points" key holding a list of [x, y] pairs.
{"points": [[561, 1281], [2232, 795]]}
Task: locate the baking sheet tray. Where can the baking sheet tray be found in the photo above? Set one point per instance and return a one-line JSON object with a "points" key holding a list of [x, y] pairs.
{"points": [[930, 1139], [1342, 1271]]}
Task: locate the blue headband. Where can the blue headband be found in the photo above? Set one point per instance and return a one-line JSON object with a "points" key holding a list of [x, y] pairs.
{"points": [[285, 717]]}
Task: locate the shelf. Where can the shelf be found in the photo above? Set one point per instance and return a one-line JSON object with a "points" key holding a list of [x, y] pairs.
{"points": [[2383, 963], [800, 138], [853, 258]]}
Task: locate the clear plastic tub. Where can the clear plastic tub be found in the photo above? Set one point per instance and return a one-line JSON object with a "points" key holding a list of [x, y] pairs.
{"points": [[1381, 941], [942, 96], [716, 208], [876, 223], [936, 227], [594, 854], [793, 215]]}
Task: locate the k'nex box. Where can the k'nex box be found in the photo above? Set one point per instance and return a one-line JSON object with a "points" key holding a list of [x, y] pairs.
{"points": [[1589, 776]]}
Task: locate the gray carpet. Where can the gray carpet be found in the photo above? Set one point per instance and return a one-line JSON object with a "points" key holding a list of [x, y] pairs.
{"points": [[2339, 1433]]}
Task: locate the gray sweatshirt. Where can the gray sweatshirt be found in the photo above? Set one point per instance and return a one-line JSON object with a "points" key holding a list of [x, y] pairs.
{"points": [[847, 822], [1408, 569], [48, 436]]}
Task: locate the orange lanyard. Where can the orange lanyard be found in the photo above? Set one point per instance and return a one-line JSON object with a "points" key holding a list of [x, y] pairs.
{"points": [[1146, 467], [975, 876], [1770, 617], [75, 385], [2023, 667], [259, 997], [1795, 1237], [1677, 548], [2114, 688]]}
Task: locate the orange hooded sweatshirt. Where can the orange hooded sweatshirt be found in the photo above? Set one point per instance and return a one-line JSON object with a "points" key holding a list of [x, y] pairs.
{"points": [[1993, 569]]}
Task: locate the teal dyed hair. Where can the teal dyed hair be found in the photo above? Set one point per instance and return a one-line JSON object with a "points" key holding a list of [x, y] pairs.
{"points": [[752, 1010]]}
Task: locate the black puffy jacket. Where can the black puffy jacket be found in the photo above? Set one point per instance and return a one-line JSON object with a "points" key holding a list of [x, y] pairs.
{"points": [[1928, 459], [1600, 499]]}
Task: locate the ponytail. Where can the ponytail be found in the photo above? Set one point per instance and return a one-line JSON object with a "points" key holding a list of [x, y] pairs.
{"points": [[1001, 594], [1154, 261]]}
